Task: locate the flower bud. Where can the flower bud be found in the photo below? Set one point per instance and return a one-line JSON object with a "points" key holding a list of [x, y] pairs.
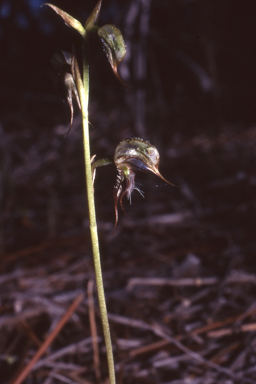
{"points": [[113, 42]]}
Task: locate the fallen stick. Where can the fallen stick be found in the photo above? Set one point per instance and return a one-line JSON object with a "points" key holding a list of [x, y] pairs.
{"points": [[24, 373]]}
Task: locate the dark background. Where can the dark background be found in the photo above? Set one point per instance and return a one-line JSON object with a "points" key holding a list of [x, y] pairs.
{"points": [[200, 58], [190, 67]]}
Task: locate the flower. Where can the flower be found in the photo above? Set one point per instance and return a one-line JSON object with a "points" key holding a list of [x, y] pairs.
{"points": [[133, 155]]}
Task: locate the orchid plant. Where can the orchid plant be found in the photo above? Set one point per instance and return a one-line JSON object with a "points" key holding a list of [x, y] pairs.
{"points": [[131, 155]]}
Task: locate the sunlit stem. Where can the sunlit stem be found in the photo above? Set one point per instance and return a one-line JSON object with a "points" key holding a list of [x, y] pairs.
{"points": [[83, 89]]}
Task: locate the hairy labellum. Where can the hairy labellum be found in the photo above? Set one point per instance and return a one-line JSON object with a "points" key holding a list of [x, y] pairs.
{"points": [[133, 155]]}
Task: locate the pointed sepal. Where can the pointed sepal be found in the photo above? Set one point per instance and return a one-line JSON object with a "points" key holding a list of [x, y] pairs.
{"points": [[114, 46], [93, 18], [68, 19], [139, 155], [132, 155]]}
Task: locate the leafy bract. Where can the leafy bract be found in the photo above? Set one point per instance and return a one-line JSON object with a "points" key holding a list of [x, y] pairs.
{"points": [[68, 19], [93, 18]]}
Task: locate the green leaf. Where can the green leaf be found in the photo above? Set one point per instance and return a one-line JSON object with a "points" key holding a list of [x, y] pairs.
{"points": [[93, 18], [113, 42], [69, 20]]}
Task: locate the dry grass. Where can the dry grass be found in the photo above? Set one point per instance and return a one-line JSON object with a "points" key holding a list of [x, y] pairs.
{"points": [[179, 272]]}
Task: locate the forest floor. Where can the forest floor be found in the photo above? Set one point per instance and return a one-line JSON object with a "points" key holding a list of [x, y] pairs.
{"points": [[179, 271]]}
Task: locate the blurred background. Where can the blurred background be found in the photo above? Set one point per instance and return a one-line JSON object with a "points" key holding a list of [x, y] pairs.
{"points": [[190, 66]]}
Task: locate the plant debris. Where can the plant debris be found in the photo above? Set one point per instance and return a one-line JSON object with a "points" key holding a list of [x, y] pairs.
{"points": [[179, 271]]}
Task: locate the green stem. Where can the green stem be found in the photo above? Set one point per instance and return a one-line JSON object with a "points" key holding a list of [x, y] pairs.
{"points": [[83, 89]]}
